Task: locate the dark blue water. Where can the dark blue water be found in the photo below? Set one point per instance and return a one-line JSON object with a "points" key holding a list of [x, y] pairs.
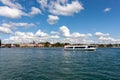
{"points": [[57, 64]]}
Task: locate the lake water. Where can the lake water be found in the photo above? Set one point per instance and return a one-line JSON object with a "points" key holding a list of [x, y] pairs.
{"points": [[57, 64]]}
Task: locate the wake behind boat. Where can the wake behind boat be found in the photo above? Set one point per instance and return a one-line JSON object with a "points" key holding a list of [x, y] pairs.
{"points": [[80, 47]]}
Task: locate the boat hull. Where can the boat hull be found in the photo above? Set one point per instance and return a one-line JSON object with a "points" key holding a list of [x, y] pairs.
{"points": [[79, 48], [90, 49]]}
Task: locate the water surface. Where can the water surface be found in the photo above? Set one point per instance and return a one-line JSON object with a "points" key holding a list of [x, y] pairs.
{"points": [[57, 64]]}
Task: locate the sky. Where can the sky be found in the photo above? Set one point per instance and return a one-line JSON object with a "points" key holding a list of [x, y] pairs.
{"points": [[65, 21]]}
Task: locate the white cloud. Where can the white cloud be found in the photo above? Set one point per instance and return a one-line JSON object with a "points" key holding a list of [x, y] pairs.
{"points": [[11, 12], [17, 13], [23, 34], [89, 35], [54, 36], [13, 9], [43, 3], [78, 35], [105, 38], [11, 3], [18, 33], [19, 39], [100, 34], [8, 27], [27, 37], [35, 10], [54, 32], [65, 31], [63, 35], [15, 25], [39, 33], [5, 30], [66, 10], [74, 37], [61, 7], [52, 19], [107, 9]]}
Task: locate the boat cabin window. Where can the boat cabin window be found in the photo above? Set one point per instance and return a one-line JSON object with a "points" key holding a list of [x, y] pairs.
{"points": [[69, 47], [79, 47], [90, 46]]}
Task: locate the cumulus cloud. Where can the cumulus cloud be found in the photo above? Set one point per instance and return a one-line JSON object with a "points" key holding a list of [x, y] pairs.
{"points": [[43, 3], [54, 32], [35, 10], [17, 13], [105, 38], [54, 36], [8, 27], [62, 35], [11, 12], [39, 33], [107, 9], [64, 31], [77, 35], [15, 25], [52, 19], [21, 37], [74, 37], [12, 9], [100, 34], [18, 33], [25, 37], [89, 35], [61, 7], [5, 30], [66, 10], [11, 3]]}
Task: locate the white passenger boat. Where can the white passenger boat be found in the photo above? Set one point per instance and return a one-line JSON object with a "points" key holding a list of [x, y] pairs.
{"points": [[80, 47]]}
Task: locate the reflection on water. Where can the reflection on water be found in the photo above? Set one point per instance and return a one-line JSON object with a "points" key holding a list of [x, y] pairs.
{"points": [[57, 64]]}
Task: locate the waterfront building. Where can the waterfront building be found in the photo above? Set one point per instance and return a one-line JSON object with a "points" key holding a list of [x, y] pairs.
{"points": [[31, 45]]}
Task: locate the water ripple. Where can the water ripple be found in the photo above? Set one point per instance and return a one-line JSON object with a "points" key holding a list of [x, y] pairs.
{"points": [[57, 64]]}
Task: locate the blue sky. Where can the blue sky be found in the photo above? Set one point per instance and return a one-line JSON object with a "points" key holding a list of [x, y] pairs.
{"points": [[74, 21]]}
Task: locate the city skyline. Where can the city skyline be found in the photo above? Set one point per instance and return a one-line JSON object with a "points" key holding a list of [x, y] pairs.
{"points": [[73, 21]]}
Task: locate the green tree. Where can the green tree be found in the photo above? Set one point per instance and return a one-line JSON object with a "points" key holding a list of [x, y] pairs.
{"points": [[47, 44], [56, 45], [8, 45], [109, 45], [101, 45]]}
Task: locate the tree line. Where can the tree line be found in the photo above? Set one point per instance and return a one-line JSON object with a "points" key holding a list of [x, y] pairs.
{"points": [[58, 44]]}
